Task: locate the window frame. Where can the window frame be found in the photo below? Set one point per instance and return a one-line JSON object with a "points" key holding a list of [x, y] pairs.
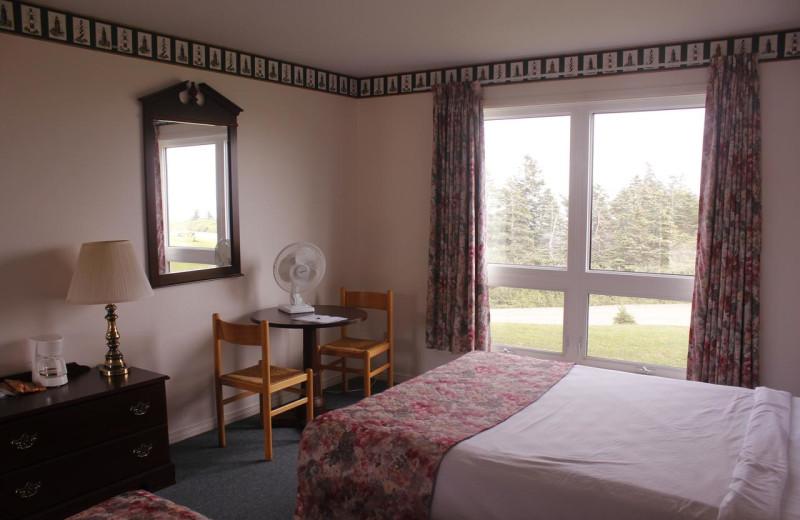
{"points": [[219, 139], [578, 281]]}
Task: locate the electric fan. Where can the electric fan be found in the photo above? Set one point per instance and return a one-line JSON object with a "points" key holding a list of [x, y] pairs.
{"points": [[298, 268]]}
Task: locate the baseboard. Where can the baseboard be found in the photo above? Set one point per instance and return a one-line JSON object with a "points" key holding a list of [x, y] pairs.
{"points": [[329, 378], [211, 424]]}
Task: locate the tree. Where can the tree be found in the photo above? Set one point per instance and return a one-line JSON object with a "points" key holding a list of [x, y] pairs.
{"points": [[624, 317], [602, 228], [196, 215], [526, 225], [649, 226]]}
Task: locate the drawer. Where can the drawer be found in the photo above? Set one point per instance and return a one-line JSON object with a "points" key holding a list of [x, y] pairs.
{"points": [[46, 435], [31, 489]]}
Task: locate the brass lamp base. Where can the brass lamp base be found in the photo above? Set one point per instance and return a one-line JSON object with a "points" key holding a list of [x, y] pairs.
{"points": [[114, 370], [115, 363]]}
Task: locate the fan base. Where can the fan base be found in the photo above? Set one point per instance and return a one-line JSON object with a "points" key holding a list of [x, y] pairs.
{"points": [[295, 309]]}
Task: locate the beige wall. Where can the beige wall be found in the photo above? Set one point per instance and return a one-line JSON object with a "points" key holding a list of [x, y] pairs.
{"points": [[351, 176], [394, 146], [71, 171]]}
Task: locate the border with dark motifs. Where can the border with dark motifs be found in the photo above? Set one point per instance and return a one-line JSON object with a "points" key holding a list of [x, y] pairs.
{"points": [[27, 19]]}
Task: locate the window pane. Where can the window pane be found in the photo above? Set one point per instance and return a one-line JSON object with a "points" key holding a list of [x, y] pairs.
{"points": [[191, 173], [527, 172], [646, 181], [527, 318], [638, 329]]}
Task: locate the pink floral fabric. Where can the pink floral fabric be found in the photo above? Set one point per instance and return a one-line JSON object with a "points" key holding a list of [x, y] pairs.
{"points": [[138, 505], [724, 332], [159, 205], [458, 290], [378, 458]]}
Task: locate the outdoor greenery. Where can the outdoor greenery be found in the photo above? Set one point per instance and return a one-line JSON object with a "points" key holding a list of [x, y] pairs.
{"points": [[177, 267], [200, 232], [195, 232], [624, 317], [527, 225], [649, 344], [648, 226]]}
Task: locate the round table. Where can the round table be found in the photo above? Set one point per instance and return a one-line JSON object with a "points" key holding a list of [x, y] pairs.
{"points": [[283, 320]]}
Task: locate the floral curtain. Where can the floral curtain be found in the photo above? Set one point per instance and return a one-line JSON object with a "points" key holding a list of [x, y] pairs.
{"points": [[723, 337], [159, 204], [458, 292]]}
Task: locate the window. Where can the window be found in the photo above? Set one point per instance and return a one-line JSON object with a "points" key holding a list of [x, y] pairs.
{"points": [[592, 229], [528, 190], [526, 318], [193, 164]]}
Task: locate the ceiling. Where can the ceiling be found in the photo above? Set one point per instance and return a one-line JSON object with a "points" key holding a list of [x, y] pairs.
{"points": [[371, 37]]}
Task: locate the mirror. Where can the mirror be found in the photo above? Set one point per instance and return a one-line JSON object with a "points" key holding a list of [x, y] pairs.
{"points": [[190, 185]]}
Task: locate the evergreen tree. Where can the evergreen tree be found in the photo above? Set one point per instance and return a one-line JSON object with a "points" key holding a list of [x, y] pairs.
{"points": [[602, 228], [653, 227], [527, 226]]}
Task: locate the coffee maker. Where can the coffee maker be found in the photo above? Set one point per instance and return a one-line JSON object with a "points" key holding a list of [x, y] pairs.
{"points": [[48, 367]]}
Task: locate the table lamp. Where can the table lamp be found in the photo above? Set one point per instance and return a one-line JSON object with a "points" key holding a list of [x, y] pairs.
{"points": [[109, 272]]}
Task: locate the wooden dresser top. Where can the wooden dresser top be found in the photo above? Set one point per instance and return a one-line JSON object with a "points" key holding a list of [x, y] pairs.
{"points": [[80, 388]]}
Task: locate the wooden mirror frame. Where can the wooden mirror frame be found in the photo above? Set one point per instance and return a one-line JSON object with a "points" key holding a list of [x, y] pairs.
{"points": [[202, 105]]}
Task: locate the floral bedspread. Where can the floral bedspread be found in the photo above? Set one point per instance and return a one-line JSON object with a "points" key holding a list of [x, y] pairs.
{"points": [[378, 458], [138, 505]]}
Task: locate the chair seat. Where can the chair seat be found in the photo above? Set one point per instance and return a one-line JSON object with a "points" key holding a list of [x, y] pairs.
{"points": [[354, 346], [252, 375]]}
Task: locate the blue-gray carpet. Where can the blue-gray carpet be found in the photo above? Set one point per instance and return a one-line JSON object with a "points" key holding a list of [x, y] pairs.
{"points": [[234, 483]]}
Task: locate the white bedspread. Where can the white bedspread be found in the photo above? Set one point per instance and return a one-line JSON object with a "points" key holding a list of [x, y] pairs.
{"points": [[606, 445]]}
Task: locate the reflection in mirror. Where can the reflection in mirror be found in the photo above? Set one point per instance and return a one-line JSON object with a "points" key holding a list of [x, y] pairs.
{"points": [[190, 184], [194, 187]]}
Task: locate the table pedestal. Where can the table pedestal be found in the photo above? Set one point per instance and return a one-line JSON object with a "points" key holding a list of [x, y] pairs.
{"points": [[311, 360]]}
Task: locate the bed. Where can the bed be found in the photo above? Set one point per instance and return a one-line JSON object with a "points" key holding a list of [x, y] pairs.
{"points": [[138, 505], [590, 443]]}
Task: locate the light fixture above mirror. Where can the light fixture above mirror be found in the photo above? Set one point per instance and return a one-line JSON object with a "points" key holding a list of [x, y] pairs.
{"points": [[190, 184]]}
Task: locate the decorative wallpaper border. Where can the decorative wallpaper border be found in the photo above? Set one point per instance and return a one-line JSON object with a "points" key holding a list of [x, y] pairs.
{"points": [[773, 46], [58, 26]]}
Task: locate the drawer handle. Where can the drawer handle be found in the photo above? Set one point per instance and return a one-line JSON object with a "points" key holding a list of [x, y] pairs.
{"points": [[25, 441], [140, 408], [143, 450], [29, 489]]}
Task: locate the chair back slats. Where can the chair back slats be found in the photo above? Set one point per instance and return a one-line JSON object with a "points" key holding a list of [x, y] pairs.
{"points": [[238, 333], [365, 349], [245, 335], [365, 300], [257, 378], [370, 300]]}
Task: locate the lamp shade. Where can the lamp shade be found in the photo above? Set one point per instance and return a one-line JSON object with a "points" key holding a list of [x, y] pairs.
{"points": [[108, 272]]}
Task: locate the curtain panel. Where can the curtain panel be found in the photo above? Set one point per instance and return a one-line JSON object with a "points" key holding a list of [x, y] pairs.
{"points": [[457, 317], [159, 203], [724, 332]]}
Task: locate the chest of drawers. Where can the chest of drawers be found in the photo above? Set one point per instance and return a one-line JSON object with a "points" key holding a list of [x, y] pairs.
{"points": [[70, 447]]}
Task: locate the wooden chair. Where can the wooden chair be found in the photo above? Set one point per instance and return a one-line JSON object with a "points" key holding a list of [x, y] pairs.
{"points": [[263, 378], [346, 347]]}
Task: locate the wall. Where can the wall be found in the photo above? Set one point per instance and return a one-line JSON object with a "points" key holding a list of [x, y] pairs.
{"points": [[351, 176], [394, 148], [71, 170]]}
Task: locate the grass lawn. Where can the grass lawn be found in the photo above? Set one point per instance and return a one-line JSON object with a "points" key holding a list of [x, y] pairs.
{"points": [[649, 344], [177, 267]]}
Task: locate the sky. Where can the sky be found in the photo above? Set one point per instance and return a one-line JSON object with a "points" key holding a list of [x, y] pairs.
{"points": [[191, 181], [624, 143]]}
